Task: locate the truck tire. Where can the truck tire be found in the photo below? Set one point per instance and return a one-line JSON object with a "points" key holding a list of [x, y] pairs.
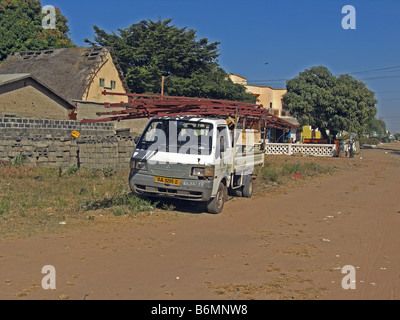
{"points": [[236, 192], [216, 204], [247, 190]]}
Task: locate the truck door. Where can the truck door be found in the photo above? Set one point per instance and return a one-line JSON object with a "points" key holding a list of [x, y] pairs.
{"points": [[223, 152]]}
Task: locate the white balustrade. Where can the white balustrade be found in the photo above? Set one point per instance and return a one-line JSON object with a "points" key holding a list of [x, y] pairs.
{"points": [[318, 150]]}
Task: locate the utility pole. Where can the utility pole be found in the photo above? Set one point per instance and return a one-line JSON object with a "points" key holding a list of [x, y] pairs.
{"points": [[162, 85]]}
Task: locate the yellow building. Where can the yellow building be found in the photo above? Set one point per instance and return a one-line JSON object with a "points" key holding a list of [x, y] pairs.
{"points": [[270, 98]]}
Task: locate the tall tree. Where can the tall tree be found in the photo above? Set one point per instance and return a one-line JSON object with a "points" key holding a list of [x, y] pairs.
{"points": [[149, 50], [21, 28], [376, 127], [212, 85], [319, 99]]}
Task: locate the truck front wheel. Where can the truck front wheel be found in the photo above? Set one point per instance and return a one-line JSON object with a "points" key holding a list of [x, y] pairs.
{"points": [[216, 204]]}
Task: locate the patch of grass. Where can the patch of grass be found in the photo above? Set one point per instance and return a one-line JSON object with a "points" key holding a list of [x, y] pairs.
{"points": [[279, 172], [129, 203], [122, 205], [291, 168], [18, 160], [72, 170], [267, 173], [35, 199], [4, 207], [106, 172]]}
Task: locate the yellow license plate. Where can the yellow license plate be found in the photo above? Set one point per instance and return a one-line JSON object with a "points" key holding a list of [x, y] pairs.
{"points": [[168, 181]]}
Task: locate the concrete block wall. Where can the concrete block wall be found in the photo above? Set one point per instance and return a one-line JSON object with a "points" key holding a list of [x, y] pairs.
{"points": [[49, 143], [10, 126], [38, 151], [114, 152]]}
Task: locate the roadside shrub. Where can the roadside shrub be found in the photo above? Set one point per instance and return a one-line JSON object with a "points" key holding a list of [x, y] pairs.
{"points": [[291, 168], [279, 171], [132, 203], [371, 141], [72, 170], [108, 172], [267, 173], [18, 160], [122, 204]]}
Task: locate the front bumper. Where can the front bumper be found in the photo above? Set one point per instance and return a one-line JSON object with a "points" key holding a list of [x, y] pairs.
{"points": [[189, 189]]}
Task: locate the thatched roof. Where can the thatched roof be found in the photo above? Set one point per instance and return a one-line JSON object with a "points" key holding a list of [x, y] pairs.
{"points": [[68, 71]]}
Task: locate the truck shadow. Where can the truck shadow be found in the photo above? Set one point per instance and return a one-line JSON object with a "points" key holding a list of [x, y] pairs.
{"points": [[183, 206], [190, 207]]}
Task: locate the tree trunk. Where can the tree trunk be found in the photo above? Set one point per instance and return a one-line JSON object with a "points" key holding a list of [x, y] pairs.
{"points": [[324, 134]]}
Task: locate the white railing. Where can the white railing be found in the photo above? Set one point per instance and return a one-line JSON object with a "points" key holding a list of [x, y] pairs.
{"points": [[318, 150]]}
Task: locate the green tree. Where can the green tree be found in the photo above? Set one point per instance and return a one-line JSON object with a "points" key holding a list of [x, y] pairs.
{"points": [[212, 85], [319, 99], [21, 28], [149, 50], [376, 127]]}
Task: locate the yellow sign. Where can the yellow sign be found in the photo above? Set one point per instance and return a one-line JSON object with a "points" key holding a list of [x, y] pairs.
{"points": [[230, 123], [75, 134]]}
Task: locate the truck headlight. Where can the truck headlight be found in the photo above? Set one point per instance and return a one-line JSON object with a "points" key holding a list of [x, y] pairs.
{"points": [[203, 172], [138, 165]]}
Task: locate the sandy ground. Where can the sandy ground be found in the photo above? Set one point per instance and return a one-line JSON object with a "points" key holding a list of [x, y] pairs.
{"points": [[289, 245]]}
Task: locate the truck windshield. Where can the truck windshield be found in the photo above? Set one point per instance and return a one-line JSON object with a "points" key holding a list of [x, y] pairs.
{"points": [[177, 136]]}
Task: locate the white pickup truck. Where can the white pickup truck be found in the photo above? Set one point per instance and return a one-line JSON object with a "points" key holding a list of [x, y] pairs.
{"points": [[197, 159]]}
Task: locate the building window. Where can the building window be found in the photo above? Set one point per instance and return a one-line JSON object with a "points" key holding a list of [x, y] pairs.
{"points": [[113, 84], [102, 82], [270, 105]]}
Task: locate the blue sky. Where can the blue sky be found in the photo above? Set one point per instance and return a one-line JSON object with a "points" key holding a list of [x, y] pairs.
{"points": [[290, 35]]}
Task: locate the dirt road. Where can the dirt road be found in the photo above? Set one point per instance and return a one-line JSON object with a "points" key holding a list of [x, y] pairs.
{"points": [[290, 245]]}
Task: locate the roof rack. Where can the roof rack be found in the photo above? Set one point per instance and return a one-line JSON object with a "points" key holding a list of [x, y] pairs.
{"points": [[141, 106]]}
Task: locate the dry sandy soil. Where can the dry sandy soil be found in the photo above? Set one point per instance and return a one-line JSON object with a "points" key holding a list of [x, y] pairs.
{"points": [[289, 244]]}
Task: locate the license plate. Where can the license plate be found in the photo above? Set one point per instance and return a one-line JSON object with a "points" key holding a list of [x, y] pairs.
{"points": [[168, 181]]}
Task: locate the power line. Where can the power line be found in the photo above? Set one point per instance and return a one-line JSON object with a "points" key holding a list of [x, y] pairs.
{"points": [[382, 70], [389, 117], [375, 70], [381, 77], [394, 99]]}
